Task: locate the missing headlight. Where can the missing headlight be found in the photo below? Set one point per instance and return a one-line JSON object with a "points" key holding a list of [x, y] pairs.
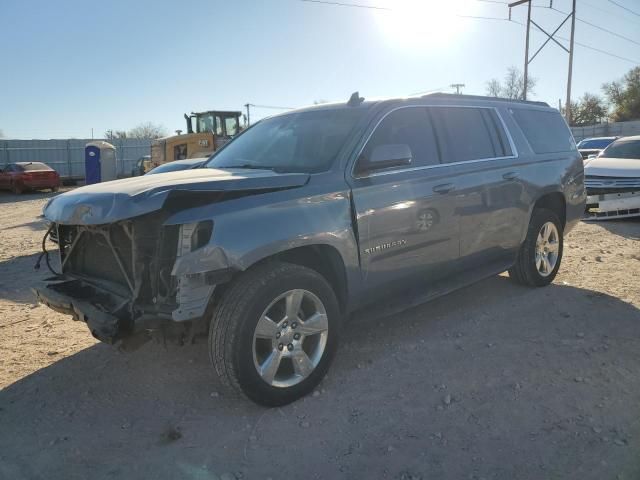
{"points": [[194, 236]]}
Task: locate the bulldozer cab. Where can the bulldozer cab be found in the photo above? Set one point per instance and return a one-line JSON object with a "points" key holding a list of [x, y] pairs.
{"points": [[223, 124], [206, 133]]}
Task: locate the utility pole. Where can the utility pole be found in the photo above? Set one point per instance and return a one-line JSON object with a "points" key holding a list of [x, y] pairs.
{"points": [[568, 111], [247, 105], [526, 54], [457, 86], [550, 37]]}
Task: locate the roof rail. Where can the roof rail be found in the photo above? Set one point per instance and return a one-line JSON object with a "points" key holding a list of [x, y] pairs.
{"points": [[481, 97]]}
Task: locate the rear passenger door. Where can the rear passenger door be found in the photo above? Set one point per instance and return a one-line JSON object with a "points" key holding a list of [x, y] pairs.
{"points": [[489, 195], [407, 223]]}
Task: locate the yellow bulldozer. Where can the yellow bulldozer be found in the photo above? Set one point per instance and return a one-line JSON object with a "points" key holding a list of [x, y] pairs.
{"points": [[206, 133]]}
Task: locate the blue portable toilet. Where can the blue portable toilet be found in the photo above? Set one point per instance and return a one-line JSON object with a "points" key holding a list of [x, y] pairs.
{"points": [[99, 162]]}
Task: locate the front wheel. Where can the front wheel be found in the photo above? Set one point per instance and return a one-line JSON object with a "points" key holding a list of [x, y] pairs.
{"points": [[540, 255], [275, 332]]}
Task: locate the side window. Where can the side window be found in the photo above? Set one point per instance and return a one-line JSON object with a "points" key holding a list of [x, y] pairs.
{"points": [[467, 133], [498, 134], [219, 127], [545, 130], [230, 126], [410, 126]]}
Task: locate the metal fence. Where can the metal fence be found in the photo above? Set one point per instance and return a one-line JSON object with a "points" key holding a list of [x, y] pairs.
{"points": [[615, 129], [67, 156]]}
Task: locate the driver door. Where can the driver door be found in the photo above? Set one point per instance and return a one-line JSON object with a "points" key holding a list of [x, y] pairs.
{"points": [[408, 231]]}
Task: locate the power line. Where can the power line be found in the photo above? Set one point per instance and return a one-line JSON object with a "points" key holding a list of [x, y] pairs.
{"points": [[272, 107], [599, 27], [618, 15], [604, 52], [479, 17], [340, 4], [590, 47], [439, 89], [625, 8], [583, 45], [388, 9]]}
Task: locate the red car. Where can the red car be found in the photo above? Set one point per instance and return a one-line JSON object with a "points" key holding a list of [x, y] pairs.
{"points": [[21, 176]]}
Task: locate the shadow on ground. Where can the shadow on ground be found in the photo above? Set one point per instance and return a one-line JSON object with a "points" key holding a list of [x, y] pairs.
{"points": [[493, 381], [7, 197], [18, 276], [627, 228], [35, 225]]}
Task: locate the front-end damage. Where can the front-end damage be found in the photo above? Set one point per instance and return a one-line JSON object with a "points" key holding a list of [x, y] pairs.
{"points": [[610, 198], [118, 278], [130, 276]]}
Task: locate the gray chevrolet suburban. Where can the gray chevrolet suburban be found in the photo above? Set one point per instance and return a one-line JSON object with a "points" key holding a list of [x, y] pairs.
{"points": [[309, 216]]}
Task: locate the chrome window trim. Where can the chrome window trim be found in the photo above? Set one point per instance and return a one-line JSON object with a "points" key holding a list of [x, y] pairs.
{"points": [[514, 151]]}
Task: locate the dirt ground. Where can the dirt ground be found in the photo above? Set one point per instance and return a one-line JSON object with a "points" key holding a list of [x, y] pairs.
{"points": [[495, 381]]}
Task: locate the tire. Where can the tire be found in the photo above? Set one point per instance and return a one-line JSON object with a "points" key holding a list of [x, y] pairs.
{"points": [[530, 268], [55, 189], [16, 188], [238, 349]]}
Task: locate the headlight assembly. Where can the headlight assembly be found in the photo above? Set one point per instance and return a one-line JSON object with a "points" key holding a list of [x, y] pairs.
{"points": [[194, 236]]}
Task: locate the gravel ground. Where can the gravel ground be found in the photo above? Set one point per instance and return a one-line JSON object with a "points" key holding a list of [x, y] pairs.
{"points": [[495, 381]]}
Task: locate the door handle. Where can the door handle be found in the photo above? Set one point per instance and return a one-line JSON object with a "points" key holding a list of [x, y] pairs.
{"points": [[510, 175], [443, 188]]}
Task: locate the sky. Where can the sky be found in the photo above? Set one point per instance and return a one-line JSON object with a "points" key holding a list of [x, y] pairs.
{"points": [[70, 66]]}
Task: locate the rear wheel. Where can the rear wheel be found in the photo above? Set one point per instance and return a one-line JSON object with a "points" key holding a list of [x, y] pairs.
{"points": [[275, 332], [17, 188], [540, 255]]}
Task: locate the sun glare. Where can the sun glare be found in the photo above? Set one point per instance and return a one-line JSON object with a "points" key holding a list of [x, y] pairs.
{"points": [[424, 23]]}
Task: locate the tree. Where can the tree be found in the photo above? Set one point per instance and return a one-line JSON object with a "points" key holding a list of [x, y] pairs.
{"points": [[494, 88], [147, 130], [624, 96], [513, 86], [113, 135], [588, 110]]}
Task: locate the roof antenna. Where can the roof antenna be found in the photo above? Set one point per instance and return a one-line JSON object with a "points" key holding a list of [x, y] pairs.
{"points": [[355, 100]]}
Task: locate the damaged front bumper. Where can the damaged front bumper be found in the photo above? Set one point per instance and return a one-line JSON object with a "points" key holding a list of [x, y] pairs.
{"points": [[610, 206], [101, 311], [109, 316], [133, 278]]}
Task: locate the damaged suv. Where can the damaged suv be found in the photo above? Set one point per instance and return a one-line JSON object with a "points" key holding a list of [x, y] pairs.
{"points": [[311, 215]]}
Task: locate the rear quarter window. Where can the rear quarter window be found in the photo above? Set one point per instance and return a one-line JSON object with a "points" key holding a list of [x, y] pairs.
{"points": [[546, 131]]}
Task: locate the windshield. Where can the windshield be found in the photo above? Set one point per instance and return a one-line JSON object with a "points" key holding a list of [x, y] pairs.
{"points": [[204, 122], [297, 142], [595, 143], [623, 149]]}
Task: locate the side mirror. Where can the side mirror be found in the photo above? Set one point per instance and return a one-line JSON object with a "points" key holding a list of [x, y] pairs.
{"points": [[388, 156]]}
